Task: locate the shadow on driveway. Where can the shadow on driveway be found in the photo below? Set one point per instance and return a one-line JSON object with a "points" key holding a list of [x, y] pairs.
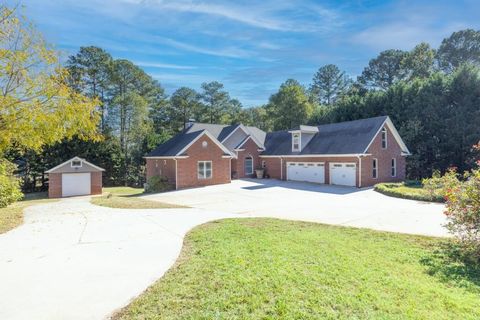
{"points": [[303, 186]]}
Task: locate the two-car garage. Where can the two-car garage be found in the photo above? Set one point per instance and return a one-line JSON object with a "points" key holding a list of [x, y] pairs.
{"points": [[340, 173]]}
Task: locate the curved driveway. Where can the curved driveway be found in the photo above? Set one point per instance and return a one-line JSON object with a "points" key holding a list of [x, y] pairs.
{"points": [[73, 260], [347, 206]]}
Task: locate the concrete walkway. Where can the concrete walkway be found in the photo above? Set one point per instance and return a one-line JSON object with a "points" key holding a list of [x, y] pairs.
{"points": [[346, 206], [73, 260]]}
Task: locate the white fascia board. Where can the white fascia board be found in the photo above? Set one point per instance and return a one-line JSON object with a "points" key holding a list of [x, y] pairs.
{"points": [[205, 132], [315, 155], [167, 157], [395, 134], [74, 159]]}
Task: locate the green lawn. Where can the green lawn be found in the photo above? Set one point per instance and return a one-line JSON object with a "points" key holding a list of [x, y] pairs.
{"points": [[274, 269], [413, 191], [127, 198], [12, 216]]}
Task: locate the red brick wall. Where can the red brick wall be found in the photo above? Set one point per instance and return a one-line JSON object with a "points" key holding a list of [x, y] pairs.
{"points": [[238, 165], [161, 167], [54, 185], [187, 168], [96, 182], [384, 159], [272, 167]]}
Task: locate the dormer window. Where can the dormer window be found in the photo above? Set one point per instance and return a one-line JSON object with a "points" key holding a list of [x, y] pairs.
{"points": [[384, 138], [76, 163], [296, 142]]}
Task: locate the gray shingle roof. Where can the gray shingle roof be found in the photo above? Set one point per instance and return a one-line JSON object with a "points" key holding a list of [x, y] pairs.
{"points": [[349, 137], [174, 145]]}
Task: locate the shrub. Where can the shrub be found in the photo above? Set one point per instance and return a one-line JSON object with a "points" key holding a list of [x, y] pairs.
{"points": [[463, 214], [158, 184], [437, 185], [9, 184]]}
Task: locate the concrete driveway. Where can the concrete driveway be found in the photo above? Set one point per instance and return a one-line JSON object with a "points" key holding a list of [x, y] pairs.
{"points": [[328, 204], [73, 260]]}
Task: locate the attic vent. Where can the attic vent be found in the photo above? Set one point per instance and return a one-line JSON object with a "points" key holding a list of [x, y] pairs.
{"points": [[76, 163]]}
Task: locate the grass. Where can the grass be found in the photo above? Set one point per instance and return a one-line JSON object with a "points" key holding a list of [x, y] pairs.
{"points": [[274, 269], [128, 198], [12, 215], [413, 191]]}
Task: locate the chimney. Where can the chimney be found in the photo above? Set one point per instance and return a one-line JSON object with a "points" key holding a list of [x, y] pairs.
{"points": [[189, 124]]}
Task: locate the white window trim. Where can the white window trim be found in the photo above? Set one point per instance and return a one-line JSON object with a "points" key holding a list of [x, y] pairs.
{"points": [[75, 160], [384, 131], [394, 167], [204, 176], [299, 142], [375, 168], [245, 164]]}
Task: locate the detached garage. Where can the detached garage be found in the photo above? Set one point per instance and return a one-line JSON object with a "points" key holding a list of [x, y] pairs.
{"points": [[75, 177]]}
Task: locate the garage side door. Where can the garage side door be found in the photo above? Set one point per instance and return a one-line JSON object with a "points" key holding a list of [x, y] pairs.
{"points": [[343, 174], [306, 171], [75, 184]]}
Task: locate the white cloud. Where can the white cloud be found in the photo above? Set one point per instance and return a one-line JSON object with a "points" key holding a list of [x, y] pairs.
{"points": [[230, 52], [163, 65], [270, 15], [403, 35]]}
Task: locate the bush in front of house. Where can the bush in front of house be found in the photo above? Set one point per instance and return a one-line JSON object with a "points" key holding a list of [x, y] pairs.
{"points": [[158, 184], [412, 190], [9, 184]]}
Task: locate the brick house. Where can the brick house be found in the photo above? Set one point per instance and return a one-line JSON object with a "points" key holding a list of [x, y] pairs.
{"points": [[74, 177], [357, 153]]}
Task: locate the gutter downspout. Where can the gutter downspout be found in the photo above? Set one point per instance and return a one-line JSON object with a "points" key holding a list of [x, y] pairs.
{"points": [[359, 171], [176, 174], [281, 168]]}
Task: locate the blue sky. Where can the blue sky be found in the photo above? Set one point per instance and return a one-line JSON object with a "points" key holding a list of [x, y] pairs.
{"points": [[249, 46]]}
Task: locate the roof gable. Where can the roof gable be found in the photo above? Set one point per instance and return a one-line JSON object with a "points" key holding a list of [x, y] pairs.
{"points": [[66, 166]]}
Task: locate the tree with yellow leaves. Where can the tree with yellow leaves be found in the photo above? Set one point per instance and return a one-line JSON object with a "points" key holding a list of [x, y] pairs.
{"points": [[37, 107]]}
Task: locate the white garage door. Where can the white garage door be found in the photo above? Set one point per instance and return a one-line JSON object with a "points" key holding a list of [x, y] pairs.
{"points": [[75, 184], [343, 174], [306, 171]]}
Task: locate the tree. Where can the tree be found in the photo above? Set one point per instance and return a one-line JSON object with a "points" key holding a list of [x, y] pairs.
{"points": [[461, 47], [184, 105], [420, 62], [37, 107], [329, 83], [128, 110], [215, 100], [90, 71], [384, 70], [289, 107]]}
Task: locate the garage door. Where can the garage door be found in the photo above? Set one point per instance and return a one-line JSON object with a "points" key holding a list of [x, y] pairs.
{"points": [[343, 174], [75, 184], [306, 171]]}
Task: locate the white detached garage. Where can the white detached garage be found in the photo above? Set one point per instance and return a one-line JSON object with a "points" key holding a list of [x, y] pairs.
{"points": [[74, 177]]}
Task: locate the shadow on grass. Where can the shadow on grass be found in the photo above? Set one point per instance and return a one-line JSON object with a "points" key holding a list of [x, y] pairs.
{"points": [[449, 265]]}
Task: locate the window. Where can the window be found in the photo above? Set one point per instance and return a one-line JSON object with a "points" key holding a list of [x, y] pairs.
{"points": [[394, 167], [384, 138], [375, 169], [248, 165], [204, 169], [204, 144], [76, 163], [296, 142], [264, 164]]}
